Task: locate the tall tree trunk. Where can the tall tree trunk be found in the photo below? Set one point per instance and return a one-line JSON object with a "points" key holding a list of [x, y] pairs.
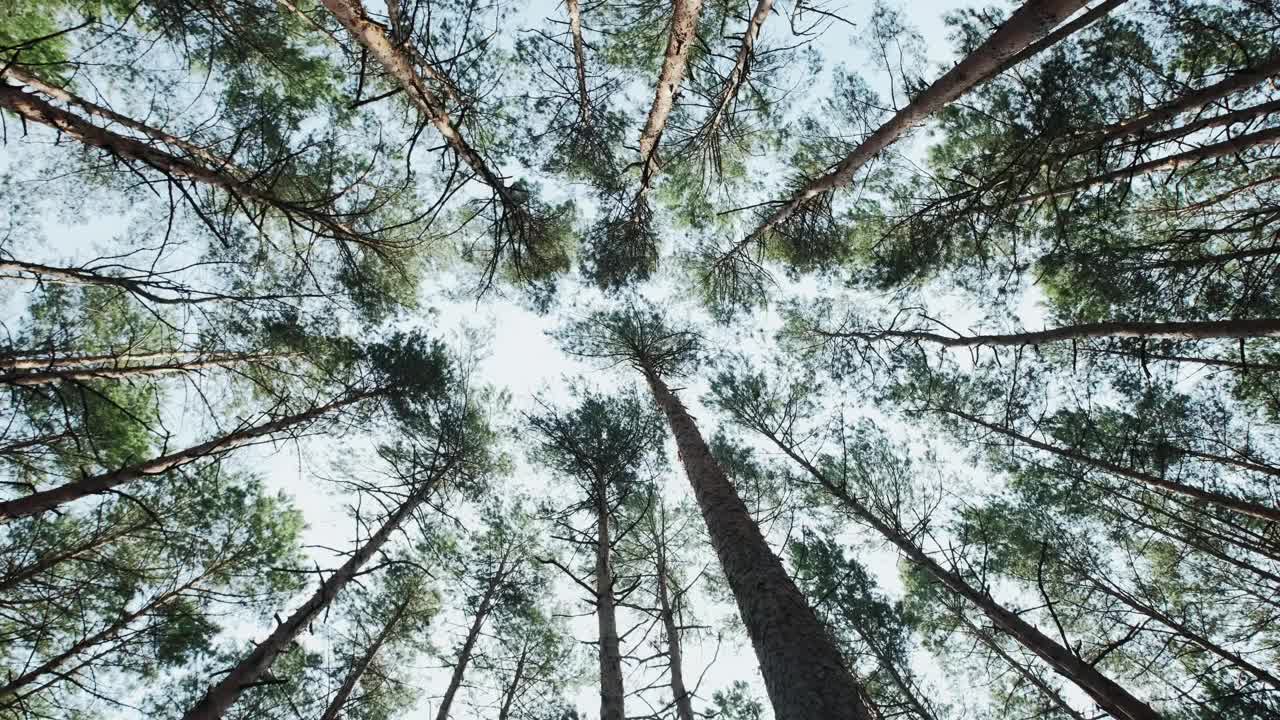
{"points": [[349, 683], [904, 685], [1085, 19], [804, 672], [612, 695], [675, 62], [1261, 138], [738, 74], [469, 643], [1028, 23], [1103, 690], [223, 695], [203, 154], [579, 61], [1241, 115], [47, 499], [1224, 501], [1190, 330], [396, 61], [144, 289], [39, 111], [675, 657], [50, 377], [1212, 362], [1027, 673], [16, 577], [51, 362], [509, 694]]}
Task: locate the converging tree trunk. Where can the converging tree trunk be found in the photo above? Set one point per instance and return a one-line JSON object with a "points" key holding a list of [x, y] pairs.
{"points": [[1190, 330], [804, 672], [223, 695], [97, 484], [473, 634], [49, 377], [675, 655], [612, 696], [675, 62], [357, 671]]}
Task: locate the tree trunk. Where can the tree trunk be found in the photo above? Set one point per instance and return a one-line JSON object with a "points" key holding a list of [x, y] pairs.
{"points": [[1191, 330], [1028, 23], [469, 643], [675, 61], [349, 683], [37, 110], [1269, 136], [1212, 362], [1086, 18], [223, 695], [612, 696], [51, 362], [905, 686], [579, 60], [1241, 506], [143, 289], [115, 373], [1027, 674], [203, 154], [675, 657], [509, 695], [47, 499], [1105, 692], [18, 576], [741, 67], [373, 38], [803, 670]]}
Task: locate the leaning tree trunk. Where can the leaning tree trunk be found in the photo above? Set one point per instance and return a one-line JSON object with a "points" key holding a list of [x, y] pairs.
{"points": [[612, 696], [95, 485], [223, 695], [509, 693], [804, 672], [1188, 331], [1028, 23], [738, 74], [49, 362], [675, 63], [349, 683], [469, 643], [1103, 690], [675, 657], [32, 379], [579, 61], [1224, 501]]}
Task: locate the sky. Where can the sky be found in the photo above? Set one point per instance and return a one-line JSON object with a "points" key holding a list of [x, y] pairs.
{"points": [[520, 357]]}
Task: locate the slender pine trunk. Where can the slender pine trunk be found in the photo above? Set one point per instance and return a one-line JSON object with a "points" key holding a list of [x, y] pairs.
{"points": [[223, 695], [50, 377], [1190, 330], [1028, 23], [1224, 501], [612, 696], [579, 61], [738, 74], [510, 692], [357, 671], [469, 643], [1103, 690], [95, 485], [804, 672], [1027, 674], [53, 362], [675, 61], [675, 656]]}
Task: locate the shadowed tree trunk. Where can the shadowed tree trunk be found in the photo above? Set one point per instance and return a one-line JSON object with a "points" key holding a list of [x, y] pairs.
{"points": [[223, 695], [1224, 501], [803, 670], [675, 62], [1103, 690], [675, 656], [49, 377], [612, 696], [1196, 330], [349, 683], [738, 74], [473, 635], [47, 499]]}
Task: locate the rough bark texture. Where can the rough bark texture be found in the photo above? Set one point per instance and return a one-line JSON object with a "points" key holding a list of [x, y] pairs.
{"points": [[675, 62], [97, 484], [1084, 20], [804, 672], [1270, 136], [1105, 692], [675, 657], [469, 643], [349, 682], [1196, 330], [222, 164], [1224, 501], [373, 37], [1029, 22], [223, 695], [611, 688], [741, 66]]}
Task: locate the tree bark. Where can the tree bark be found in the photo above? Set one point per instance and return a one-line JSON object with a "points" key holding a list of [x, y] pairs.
{"points": [[1028, 23], [1191, 330], [47, 499], [469, 643], [741, 67], [349, 683], [509, 695], [1086, 18], [143, 289], [675, 61], [675, 657], [50, 377], [50, 362], [65, 96], [804, 672], [1261, 138], [223, 695], [1103, 690], [39, 111], [1224, 501], [612, 694], [579, 60], [1049, 692]]}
